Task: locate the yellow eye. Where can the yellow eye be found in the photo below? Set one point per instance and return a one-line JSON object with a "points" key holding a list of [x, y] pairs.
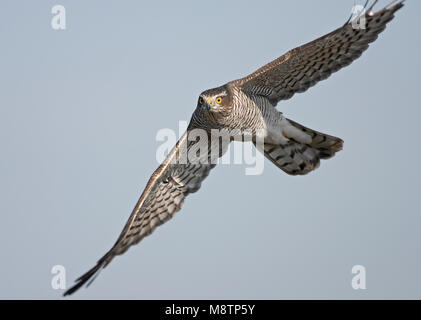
{"points": [[201, 101], [218, 100]]}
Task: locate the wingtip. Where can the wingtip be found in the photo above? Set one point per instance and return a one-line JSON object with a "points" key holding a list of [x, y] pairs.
{"points": [[87, 278], [393, 6]]}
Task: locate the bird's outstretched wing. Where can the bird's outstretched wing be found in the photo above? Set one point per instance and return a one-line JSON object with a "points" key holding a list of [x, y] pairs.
{"points": [[163, 196], [302, 67]]}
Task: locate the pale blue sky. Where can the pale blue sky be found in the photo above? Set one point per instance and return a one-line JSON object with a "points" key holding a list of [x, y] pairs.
{"points": [[79, 112]]}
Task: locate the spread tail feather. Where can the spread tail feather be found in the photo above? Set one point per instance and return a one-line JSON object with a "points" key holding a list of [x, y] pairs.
{"points": [[296, 158], [325, 144]]}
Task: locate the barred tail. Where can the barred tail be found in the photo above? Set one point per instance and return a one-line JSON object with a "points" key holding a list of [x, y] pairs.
{"points": [[296, 158]]}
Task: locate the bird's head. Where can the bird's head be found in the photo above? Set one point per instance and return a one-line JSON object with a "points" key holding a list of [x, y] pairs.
{"points": [[215, 100]]}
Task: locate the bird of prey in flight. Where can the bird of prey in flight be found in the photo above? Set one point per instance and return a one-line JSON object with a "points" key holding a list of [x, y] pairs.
{"points": [[249, 104]]}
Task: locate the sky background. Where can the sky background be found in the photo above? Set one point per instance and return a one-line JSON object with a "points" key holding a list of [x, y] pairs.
{"points": [[79, 112]]}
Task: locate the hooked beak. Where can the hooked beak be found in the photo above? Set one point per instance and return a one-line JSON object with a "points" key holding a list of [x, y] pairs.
{"points": [[208, 104]]}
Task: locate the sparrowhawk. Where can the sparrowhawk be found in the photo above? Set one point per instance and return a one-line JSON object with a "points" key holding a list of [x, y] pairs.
{"points": [[249, 104]]}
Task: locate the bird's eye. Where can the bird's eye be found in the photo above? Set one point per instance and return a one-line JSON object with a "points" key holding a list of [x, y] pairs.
{"points": [[218, 100], [201, 101]]}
